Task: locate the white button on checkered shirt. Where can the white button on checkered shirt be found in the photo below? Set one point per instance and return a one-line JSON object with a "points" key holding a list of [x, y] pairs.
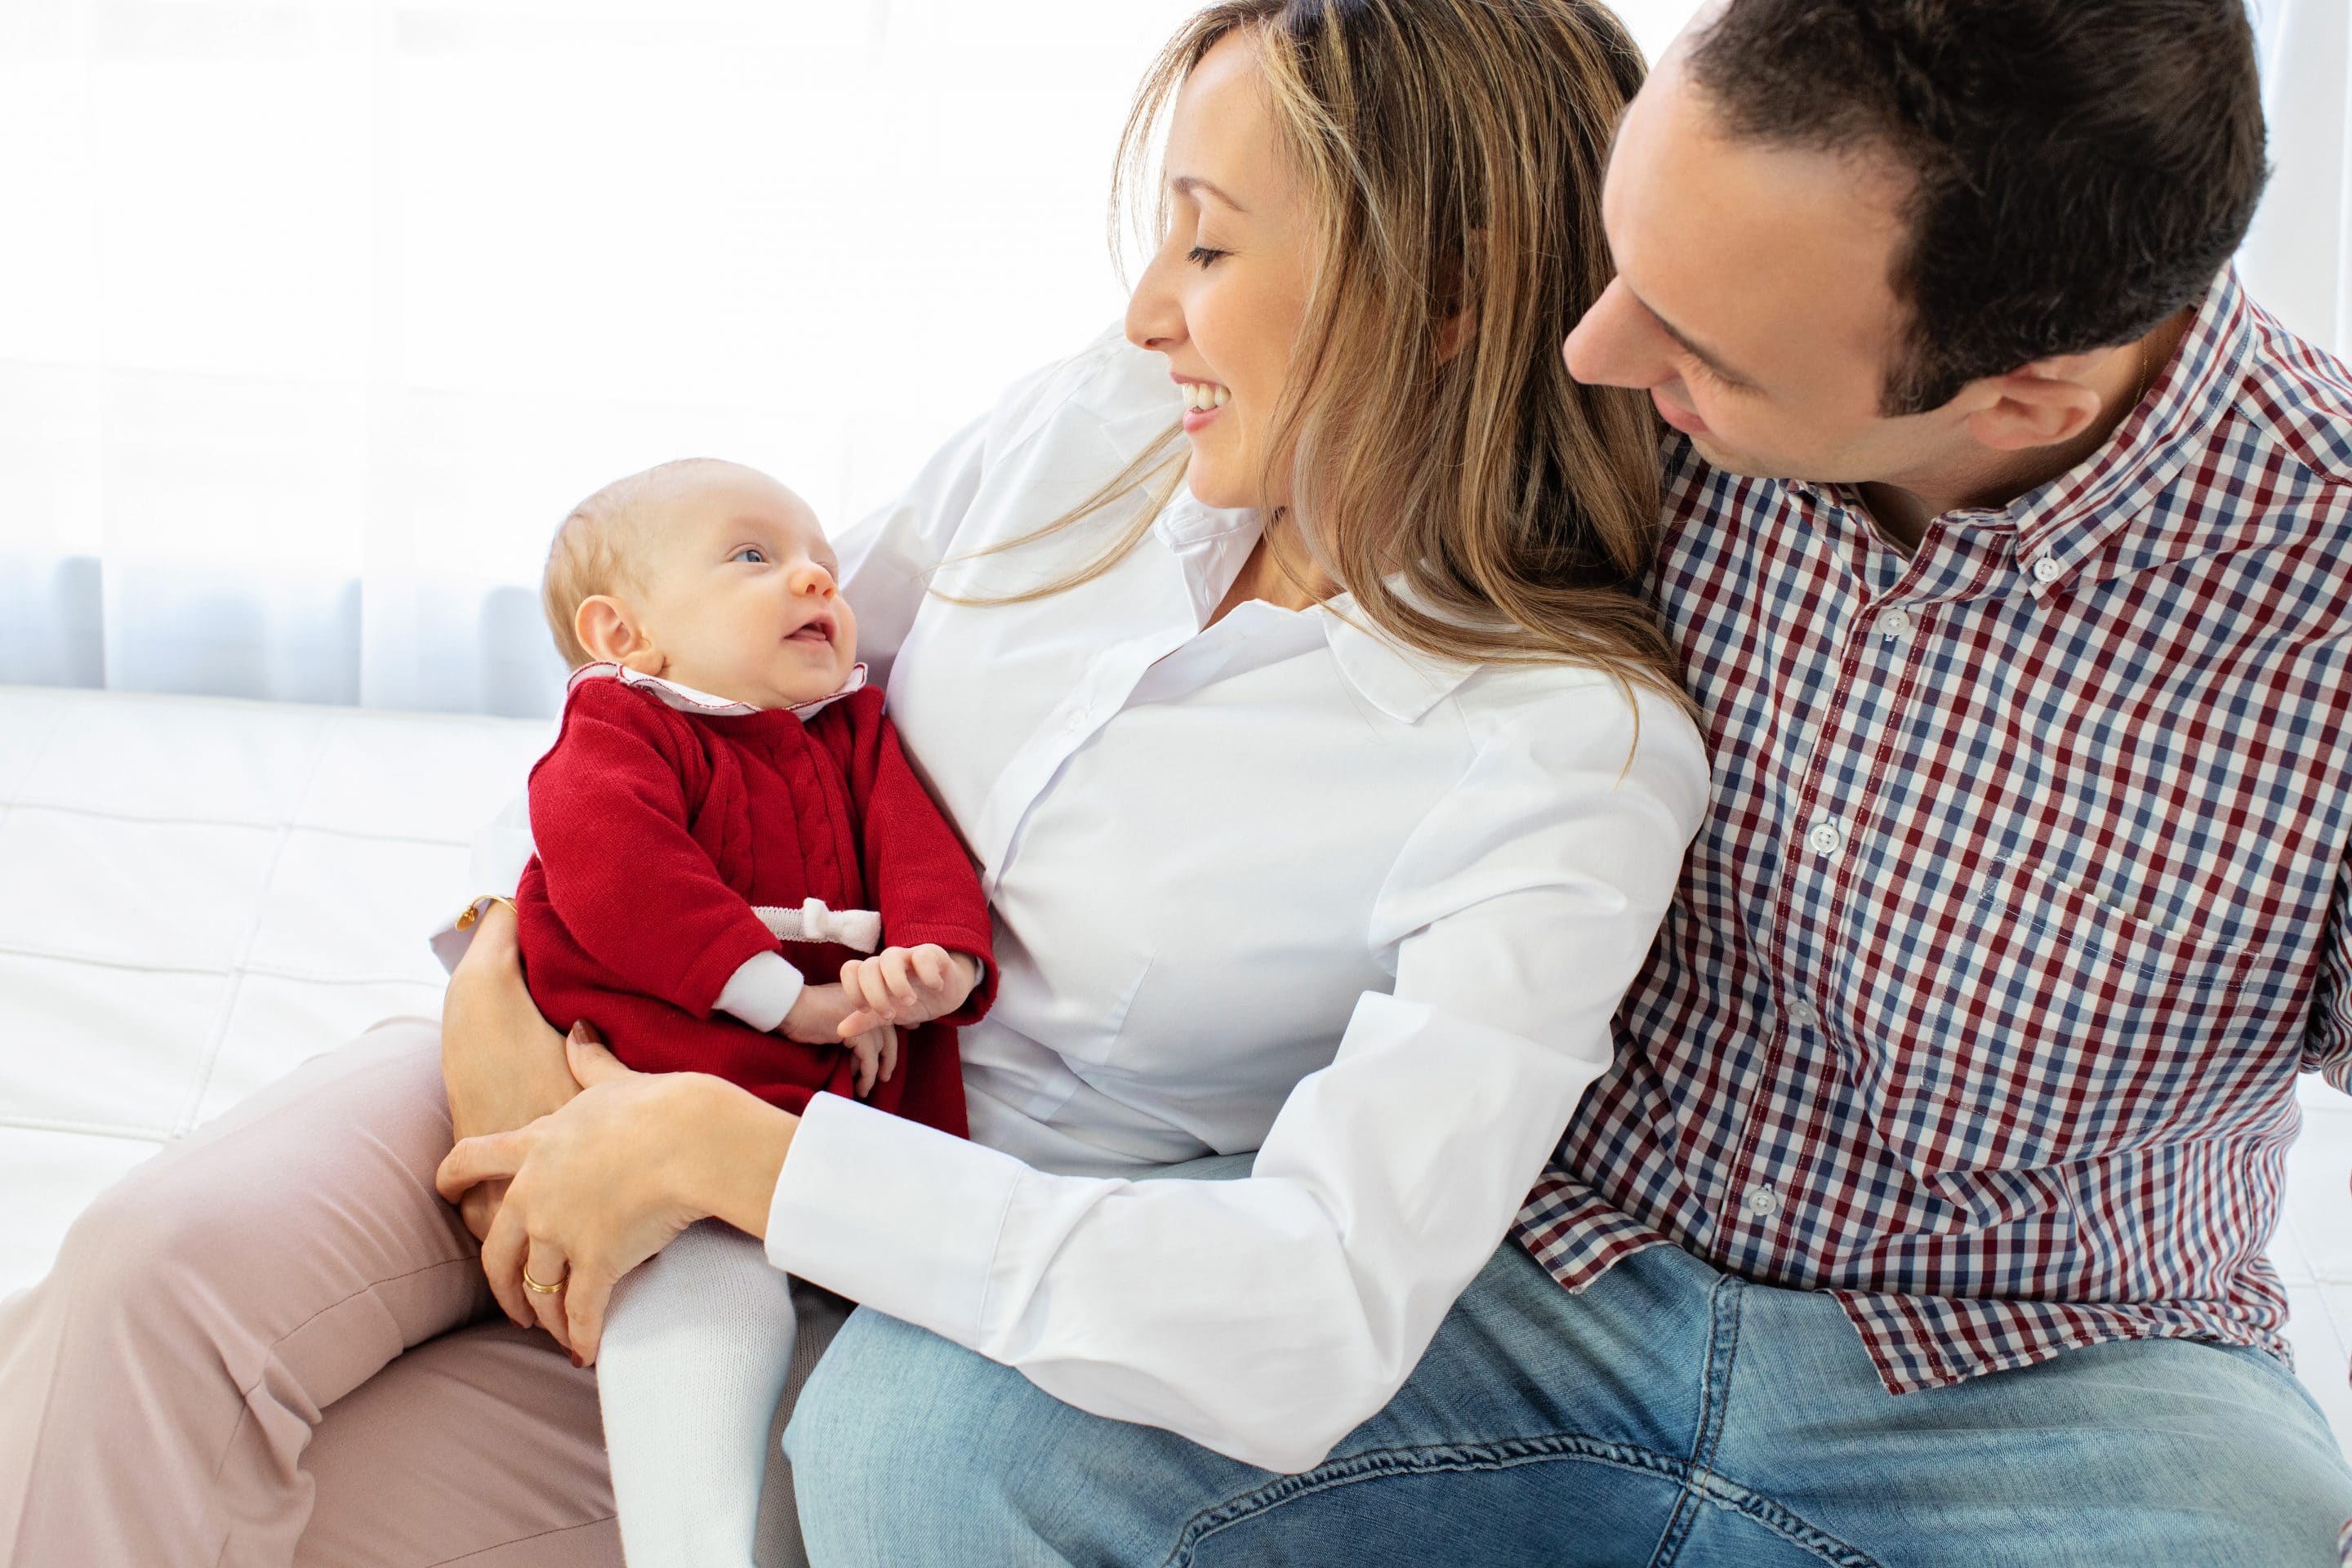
{"points": [[2087, 913]]}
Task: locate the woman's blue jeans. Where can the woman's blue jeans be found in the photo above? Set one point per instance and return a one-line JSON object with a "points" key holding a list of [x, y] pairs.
{"points": [[1670, 1414]]}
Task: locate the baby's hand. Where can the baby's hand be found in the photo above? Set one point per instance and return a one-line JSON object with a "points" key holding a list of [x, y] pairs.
{"points": [[815, 1018], [818, 1018], [876, 1052], [906, 985]]}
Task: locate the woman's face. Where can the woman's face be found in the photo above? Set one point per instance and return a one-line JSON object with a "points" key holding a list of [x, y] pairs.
{"points": [[1226, 291]]}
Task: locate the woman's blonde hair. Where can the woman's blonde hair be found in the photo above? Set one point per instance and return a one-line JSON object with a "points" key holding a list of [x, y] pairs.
{"points": [[1454, 151]]}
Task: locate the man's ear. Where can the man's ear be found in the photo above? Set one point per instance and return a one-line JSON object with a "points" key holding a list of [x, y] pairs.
{"points": [[2045, 404], [611, 633]]}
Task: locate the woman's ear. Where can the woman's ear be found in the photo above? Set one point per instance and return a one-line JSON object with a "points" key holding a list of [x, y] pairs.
{"points": [[1453, 336], [1460, 297], [611, 632]]}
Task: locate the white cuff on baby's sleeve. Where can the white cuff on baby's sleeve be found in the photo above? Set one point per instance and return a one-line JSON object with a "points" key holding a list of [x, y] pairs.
{"points": [[763, 991]]}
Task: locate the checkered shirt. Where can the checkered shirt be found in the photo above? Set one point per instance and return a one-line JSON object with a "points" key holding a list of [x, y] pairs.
{"points": [[2025, 893]]}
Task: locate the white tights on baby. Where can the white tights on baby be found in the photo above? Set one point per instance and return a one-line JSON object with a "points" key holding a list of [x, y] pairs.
{"points": [[696, 1345]]}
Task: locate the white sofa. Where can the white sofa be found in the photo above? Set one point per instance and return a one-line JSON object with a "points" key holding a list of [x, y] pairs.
{"points": [[195, 894]]}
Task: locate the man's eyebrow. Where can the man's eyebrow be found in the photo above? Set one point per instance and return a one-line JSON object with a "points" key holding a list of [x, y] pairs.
{"points": [[1711, 361], [1185, 184]]}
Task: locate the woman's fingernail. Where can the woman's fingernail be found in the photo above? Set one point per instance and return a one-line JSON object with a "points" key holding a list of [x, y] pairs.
{"points": [[576, 1361]]}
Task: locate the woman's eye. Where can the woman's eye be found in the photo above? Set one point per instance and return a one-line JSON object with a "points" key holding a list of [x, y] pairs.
{"points": [[750, 552], [1201, 256]]}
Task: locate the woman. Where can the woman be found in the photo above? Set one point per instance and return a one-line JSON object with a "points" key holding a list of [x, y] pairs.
{"points": [[1329, 779]]}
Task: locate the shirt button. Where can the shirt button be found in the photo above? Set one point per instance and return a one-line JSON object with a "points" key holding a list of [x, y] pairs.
{"points": [[2045, 570], [1804, 1014], [1825, 838], [1894, 623], [1763, 1201]]}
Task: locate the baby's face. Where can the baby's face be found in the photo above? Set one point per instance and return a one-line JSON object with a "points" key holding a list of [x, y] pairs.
{"points": [[742, 602]]}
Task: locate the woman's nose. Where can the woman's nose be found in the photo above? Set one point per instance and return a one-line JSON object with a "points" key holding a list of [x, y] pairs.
{"points": [[1154, 319]]}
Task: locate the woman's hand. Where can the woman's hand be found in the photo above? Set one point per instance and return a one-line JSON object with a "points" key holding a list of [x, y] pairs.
{"points": [[597, 1187], [501, 1063]]}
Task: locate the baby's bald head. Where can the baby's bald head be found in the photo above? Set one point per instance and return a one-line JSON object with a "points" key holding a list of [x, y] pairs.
{"points": [[612, 542]]}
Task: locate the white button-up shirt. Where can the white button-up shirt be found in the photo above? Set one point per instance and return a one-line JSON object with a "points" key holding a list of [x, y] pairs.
{"points": [[1272, 884]]}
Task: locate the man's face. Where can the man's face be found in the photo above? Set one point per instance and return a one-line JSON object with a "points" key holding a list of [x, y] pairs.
{"points": [[1752, 299]]}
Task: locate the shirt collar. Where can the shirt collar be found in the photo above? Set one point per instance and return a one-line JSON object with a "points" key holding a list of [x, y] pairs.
{"points": [[1401, 682], [687, 699], [2065, 522], [1187, 522]]}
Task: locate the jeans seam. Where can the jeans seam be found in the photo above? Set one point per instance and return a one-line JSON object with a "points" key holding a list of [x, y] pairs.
{"points": [[1382, 1463], [1768, 1513], [1713, 1396], [1705, 1484]]}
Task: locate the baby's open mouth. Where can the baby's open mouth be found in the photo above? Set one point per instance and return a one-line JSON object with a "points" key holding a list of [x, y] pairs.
{"points": [[817, 630]]}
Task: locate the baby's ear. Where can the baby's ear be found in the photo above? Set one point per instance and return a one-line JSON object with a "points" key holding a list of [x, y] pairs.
{"points": [[609, 630]]}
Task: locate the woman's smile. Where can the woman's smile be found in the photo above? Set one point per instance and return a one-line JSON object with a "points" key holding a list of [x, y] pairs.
{"points": [[1203, 399]]}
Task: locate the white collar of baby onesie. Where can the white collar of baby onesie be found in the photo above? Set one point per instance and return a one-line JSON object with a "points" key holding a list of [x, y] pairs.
{"points": [[687, 699]]}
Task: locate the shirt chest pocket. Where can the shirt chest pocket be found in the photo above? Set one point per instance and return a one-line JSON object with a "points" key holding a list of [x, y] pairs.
{"points": [[2053, 1028]]}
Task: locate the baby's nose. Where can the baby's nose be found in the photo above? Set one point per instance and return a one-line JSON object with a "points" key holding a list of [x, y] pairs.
{"points": [[814, 579]]}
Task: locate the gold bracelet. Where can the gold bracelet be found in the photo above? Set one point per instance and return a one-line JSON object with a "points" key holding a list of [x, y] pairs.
{"points": [[473, 911]]}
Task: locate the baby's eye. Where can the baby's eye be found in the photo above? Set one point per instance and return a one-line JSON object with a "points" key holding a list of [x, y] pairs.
{"points": [[752, 553]]}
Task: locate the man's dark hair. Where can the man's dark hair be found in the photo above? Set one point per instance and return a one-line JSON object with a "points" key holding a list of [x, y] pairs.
{"points": [[2081, 168]]}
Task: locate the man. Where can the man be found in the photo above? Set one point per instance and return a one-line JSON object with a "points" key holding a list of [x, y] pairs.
{"points": [[1921, 1216]]}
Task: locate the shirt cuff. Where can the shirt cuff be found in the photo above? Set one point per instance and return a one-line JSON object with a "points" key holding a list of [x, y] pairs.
{"points": [[501, 852], [451, 940], [900, 1216], [762, 991]]}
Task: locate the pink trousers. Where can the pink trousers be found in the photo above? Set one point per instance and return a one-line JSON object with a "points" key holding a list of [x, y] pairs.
{"points": [[272, 1344]]}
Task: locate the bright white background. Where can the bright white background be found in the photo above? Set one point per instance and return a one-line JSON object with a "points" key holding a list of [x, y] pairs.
{"points": [[317, 315], [314, 316], [338, 307]]}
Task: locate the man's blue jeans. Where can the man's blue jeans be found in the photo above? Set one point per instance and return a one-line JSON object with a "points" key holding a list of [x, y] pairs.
{"points": [[1670, 1414]]}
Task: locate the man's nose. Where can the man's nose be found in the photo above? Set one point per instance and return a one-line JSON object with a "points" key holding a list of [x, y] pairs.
{"points": [[1610, 347]]}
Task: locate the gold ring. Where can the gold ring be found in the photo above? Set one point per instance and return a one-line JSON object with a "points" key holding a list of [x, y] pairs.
{"points": [[531, 1284]]}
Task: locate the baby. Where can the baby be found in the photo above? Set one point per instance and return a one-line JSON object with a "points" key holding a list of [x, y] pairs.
{"points": [[724, 821]]}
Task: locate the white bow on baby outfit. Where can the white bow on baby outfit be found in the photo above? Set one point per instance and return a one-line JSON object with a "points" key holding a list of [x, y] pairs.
{"points": [[860, 929]]}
